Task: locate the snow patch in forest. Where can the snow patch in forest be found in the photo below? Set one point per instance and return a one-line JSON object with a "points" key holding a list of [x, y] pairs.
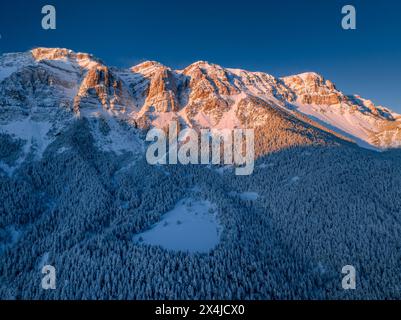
{"points": [[245, 196], [191, 226], [62, 150], [249, 196]]}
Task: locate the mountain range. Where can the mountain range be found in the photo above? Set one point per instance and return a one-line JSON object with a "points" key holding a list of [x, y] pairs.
{"points": [[45, 88]]}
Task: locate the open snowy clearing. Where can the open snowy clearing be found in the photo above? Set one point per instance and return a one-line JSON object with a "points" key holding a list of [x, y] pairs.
{"points": [[191, 226]]}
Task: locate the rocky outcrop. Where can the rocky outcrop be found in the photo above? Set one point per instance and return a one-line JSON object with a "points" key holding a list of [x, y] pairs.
{"points": [[311, 88]]}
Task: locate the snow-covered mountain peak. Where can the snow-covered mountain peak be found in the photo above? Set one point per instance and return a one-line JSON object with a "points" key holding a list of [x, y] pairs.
{"points": [[83, 60], [52, 53], [311, 83], [308, 75], [201, 64], [147, 67]]}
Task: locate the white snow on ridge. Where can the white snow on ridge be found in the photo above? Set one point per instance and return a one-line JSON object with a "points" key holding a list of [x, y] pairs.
{"points": [[62, 66], [355, 125], [12, 62], [192, 226]]}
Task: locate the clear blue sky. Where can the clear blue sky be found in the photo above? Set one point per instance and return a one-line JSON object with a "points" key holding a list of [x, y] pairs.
{"points": [[278, 37]]}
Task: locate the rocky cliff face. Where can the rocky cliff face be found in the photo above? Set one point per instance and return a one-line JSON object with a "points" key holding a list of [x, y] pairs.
{"points": [[57, 85], [352, 115], [311, 88]]}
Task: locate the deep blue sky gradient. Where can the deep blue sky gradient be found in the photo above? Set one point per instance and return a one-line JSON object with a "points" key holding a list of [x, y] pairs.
{"points": [[278, 37]]}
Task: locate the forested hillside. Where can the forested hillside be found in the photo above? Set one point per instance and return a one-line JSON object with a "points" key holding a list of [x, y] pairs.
{"points": [[318, 208]]}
